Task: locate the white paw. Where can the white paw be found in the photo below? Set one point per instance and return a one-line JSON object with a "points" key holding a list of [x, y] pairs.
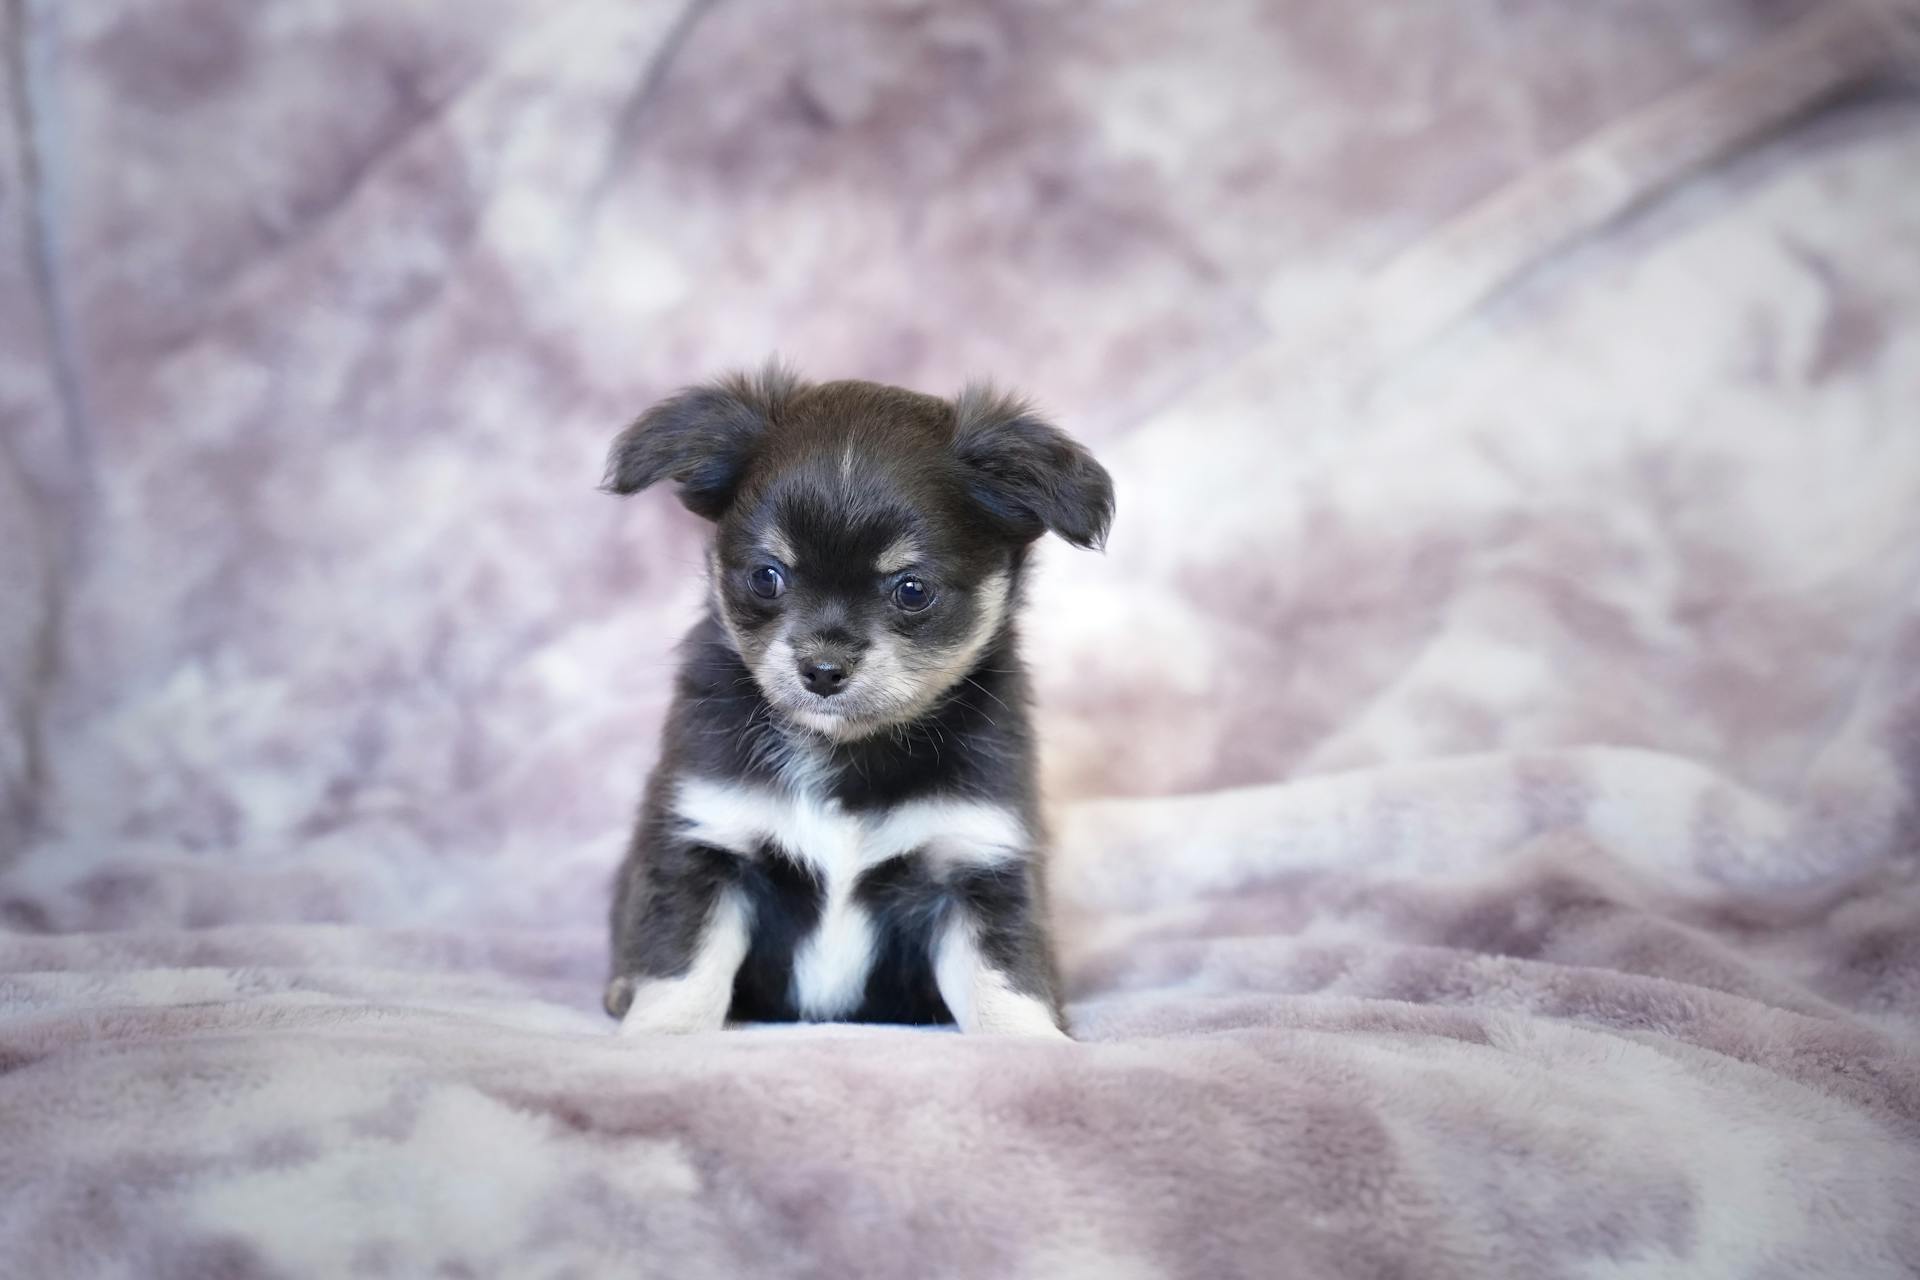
{"points": [[999, 1012], [671, 1008], [649, 1023]]}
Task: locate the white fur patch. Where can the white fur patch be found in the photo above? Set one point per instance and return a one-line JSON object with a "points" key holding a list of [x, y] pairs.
{"points": [[832, 964], [830, 967], [835, 843], [955, 832], [697, 1000], [979, 996]]}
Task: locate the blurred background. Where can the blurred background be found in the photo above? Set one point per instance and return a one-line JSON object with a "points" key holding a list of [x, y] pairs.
{"points": [[1478, 376]]}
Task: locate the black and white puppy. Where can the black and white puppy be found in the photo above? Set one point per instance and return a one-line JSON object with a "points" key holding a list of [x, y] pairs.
{"points": [[843, 822]]}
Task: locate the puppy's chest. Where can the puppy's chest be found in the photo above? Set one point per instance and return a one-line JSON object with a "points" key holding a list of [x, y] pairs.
{"points": [[857, 872]]}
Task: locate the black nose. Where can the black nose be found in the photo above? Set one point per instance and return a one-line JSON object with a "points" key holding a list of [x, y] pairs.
{"points": [[824, 676]]}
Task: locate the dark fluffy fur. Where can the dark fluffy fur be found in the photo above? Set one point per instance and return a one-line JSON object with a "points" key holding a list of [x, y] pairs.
{"points": [[842, 471]]}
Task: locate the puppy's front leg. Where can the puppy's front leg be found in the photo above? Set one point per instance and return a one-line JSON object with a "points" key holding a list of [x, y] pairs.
{"points": [[679, 975], [990, 962]]}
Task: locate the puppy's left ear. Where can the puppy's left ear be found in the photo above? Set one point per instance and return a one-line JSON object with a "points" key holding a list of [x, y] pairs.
{"points": [[701, 439], [1029, 475]]}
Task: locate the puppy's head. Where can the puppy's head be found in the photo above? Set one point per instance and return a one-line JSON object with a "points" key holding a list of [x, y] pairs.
{"points": [[866, 538]]}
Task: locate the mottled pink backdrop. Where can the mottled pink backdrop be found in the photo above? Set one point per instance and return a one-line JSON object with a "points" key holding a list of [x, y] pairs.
{"points": [[1486, 762]]}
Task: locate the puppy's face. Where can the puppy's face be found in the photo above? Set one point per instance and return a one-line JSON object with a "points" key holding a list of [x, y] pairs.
{"points": [[867, 538], [852, 572]]}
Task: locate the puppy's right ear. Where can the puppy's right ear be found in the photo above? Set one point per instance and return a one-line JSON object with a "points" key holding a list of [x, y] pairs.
{"points": [[701, 439]]}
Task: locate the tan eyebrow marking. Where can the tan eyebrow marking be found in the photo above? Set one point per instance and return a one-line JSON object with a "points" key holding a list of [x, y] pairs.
{"points": [[779, 548], [900, 553]]}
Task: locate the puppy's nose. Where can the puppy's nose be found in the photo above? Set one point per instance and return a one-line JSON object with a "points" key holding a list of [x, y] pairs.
{"points": [[824, 675]]}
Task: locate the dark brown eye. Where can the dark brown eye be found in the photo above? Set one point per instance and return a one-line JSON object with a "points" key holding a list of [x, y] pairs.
{"points": [[767, 582], [912, 594]]}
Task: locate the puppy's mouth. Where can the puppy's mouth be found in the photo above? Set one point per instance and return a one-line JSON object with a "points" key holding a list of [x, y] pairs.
{"points": [[875, 697], [824, 718], [844, 717]]}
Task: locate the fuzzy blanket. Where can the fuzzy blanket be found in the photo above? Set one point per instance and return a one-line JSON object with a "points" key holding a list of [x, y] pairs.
{"points": [[1486, 766]]}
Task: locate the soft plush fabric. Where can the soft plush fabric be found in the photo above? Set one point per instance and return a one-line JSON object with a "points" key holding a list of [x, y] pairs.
{"points": [[1485, 766]]}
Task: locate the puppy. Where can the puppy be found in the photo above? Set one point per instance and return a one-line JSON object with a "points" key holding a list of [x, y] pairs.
{"points": [[843, 822]]}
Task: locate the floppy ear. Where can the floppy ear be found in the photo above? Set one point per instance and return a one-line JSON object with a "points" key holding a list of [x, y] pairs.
{"points": [[701, 439], [1029, 475]]}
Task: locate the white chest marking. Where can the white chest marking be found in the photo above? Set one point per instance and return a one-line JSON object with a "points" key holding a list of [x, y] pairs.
{"points": [[831, 966]]}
